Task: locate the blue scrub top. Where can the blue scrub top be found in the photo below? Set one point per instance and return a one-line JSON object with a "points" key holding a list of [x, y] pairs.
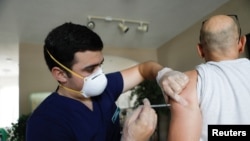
{"points": [[60, 118]]}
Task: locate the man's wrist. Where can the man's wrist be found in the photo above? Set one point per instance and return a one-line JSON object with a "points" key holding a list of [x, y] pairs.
{"points": [[161, 73]]}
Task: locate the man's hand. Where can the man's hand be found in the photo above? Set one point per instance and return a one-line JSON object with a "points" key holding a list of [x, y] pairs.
{"points": [[141, 124], [172, 83]]}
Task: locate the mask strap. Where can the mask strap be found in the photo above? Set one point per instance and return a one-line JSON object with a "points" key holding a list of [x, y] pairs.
{"points": [[66, 88], [63, 65]]}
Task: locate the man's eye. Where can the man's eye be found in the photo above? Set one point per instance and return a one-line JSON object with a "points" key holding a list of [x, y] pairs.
{"points": [[90, 70]]}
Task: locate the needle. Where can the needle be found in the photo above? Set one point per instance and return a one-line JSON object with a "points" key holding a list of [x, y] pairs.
{"points": [[160, 105], [153, 106]]}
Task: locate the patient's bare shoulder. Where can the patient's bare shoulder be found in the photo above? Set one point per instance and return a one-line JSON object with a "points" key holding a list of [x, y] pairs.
{"points": [[189, 92]]}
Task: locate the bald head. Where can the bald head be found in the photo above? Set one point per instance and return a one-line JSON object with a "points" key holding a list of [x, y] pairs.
{"points": [[219, 32]]}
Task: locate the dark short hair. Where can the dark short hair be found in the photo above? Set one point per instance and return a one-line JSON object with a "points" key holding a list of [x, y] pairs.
{"points": [[67, 39]]}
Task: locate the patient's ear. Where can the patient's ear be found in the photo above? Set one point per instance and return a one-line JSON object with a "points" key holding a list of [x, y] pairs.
{"points": [[200, 50], [59, 74], [242, 44]]}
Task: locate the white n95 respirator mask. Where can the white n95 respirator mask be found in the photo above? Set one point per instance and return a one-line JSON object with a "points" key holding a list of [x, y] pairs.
{"points": [[94, 84]]}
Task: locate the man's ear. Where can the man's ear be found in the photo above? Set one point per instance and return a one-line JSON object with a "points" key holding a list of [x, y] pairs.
{"points": [[59, 74], [200, 50], [242, 44]]}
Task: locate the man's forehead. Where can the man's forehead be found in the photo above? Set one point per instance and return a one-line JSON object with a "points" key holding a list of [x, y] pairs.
{"points": [[88, 58]]}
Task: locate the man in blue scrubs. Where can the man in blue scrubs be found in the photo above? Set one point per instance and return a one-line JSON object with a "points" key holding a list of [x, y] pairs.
{"points": [[83, 108]]}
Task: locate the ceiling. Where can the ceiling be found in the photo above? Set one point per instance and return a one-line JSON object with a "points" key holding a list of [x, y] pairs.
{"points": [[31, 20]]}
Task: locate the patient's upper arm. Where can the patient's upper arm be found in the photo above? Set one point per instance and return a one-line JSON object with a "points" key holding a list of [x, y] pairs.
{"points": [[185, 121]]}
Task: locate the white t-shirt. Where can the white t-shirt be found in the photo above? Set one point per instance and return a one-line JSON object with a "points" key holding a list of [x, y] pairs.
{"points": [[223, 90]]}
